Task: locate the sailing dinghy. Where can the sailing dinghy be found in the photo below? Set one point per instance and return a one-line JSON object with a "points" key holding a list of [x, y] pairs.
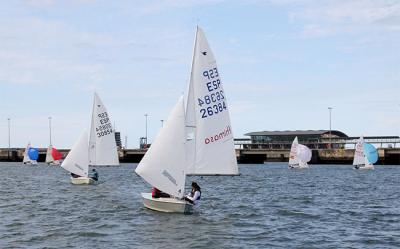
{"points": [[30, 155], [365, 155], [99, 150], [299, 155], [196, 139], [53, 156]]}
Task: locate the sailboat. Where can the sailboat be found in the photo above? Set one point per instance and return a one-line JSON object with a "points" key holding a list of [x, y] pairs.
{"points": [[196, 139], [53, 156], [77, 161], [299, 155], [99, 149], [365, 155], [30, 155]]}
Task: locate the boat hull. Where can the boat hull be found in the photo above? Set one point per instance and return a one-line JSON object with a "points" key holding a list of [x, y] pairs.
{"points": [[82, 181], [31, 163], [54, 163], [366, 167], [168, 205], [297, 166]]}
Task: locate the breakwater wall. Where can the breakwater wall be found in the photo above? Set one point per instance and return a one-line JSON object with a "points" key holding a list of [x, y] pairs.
{"points": [[390, 156]]}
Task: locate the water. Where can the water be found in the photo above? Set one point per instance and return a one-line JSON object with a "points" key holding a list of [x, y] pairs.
{"points": [[268, 206]]}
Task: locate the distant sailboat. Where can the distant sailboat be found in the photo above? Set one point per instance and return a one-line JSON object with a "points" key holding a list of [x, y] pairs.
{"points": [[30, 155], [99, 150], [365, 155], [53, 156], [195, 140], [299, 155]]}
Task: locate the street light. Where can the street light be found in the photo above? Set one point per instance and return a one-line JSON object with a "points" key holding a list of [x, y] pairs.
{"points": [[162, 122], [9, 138], [146, 129], [50, 129], [330, 127]]}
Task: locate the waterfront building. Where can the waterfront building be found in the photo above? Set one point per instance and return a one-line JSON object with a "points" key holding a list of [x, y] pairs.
{"points": [[314, 139]]}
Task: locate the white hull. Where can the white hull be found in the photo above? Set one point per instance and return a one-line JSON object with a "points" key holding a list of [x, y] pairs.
{"points": [[297, 166], [168, 205], [365, 167], [31, 163], [82, 180], [54, 163]]}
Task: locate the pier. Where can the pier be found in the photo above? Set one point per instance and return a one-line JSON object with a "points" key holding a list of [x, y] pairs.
{"points": [[333, 151]]}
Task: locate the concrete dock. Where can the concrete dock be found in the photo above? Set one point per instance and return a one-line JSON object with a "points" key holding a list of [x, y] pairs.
{"points": [[390, 156]]}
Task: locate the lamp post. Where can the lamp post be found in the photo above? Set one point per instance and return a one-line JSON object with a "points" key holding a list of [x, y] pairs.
{"points": [[162, 122], [330, 127], [146, 129], [9, 138], [50, 129]]}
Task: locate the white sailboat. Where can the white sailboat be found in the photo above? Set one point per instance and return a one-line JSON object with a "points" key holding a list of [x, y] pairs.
{"points": [[99, 150], [77, 161], [30, 155], [53, 156], [299, 155], [365, 155], [196, 139]]}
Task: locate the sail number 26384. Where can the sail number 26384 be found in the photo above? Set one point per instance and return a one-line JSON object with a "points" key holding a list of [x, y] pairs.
{"points": [[214, 102]]}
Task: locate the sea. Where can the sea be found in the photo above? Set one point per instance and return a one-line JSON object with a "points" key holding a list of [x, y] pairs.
{"points": [[267, 206]]}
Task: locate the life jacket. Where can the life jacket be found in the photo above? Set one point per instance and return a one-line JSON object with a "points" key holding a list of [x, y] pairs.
{"points": [[155, 193], [192, 194]]}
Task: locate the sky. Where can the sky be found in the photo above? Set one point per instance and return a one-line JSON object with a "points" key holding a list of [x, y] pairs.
{"points": [[282, 63]]}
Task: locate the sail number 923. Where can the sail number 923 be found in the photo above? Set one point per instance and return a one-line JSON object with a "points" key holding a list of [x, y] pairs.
{"points": [[105, 127]]}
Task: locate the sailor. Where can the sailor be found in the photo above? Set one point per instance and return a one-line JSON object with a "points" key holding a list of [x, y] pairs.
{"points": [[156, 193], [194, 196], [94, 175]]}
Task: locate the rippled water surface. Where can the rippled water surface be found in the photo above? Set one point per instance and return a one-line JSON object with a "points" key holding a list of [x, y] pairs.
{"points": [[268, 206]]}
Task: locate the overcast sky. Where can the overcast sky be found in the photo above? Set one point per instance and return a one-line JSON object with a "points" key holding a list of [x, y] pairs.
{"points": [[282, 62]]}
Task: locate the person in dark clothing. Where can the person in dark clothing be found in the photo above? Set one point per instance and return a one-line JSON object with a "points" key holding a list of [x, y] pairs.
{"points": [[194, 196], [156, 193], [94, 175]]}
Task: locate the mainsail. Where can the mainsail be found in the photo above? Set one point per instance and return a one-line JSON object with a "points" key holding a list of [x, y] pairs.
{"points": [[102, 145], [293, 159], [359, 158], [26, 157], [210, 146], [49, 156]]}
